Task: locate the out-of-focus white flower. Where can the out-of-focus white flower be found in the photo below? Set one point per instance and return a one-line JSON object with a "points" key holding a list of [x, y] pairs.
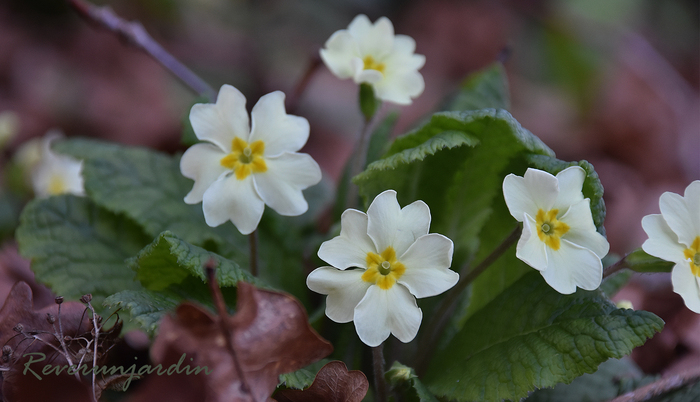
{"points": [[372, 54], [674, 235], [9, 126], [239, 169], [53, 173], [559, 237], [398, 262]]}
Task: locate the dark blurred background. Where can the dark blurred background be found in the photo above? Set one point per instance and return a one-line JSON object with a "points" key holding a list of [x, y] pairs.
{"points": [[614, 82]]}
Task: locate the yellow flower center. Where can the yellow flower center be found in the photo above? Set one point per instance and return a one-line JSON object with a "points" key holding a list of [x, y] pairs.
{"points": [[57, 185], [693, 253], [383, 269], [245, 158], [371, 64], [550, 229]]}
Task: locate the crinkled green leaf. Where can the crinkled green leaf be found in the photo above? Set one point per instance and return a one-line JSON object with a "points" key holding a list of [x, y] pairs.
{"points": [[76, 247], [147, 186], [640, 261], [145, 307], [533, 337], [614, 377], [403, 380], [171, 271], [484, 89], [299, 379]]}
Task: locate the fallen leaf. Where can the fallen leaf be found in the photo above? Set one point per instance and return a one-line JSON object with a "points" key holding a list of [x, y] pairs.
{"points": [[270, 336], [333, 383]]}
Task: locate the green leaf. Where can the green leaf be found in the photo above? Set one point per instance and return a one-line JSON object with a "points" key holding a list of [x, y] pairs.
{"points": [[299, 379], [147, 186], [640, 261], [614, 377], [483, 89], [533, 337], [612, 284], [403, 379], [171, 271], [76, 247]]}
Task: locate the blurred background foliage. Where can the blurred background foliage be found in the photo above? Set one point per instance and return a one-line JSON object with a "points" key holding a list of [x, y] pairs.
{"points": [[614, 82]]}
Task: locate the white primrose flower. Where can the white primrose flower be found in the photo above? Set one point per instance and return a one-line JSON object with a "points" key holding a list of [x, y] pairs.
{"points": [[674, 235], [373, 54], [240, 169], [398, 262], [52, 173], [559, 238]]}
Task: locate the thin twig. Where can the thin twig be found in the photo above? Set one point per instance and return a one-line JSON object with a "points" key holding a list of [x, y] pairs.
{"points": [[661, 386], [253, 241], [135, 34], [218, 298], [444, 310], [379, 381], [95, 338]]}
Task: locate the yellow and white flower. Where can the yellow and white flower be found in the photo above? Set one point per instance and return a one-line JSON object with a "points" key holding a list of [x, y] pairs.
{"points": [[52, 173], [559, 237], [396, 261], [240, 169], [371, 53], [674, 235]]}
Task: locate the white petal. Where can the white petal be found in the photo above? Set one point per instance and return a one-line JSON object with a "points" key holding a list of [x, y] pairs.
{"points": [[427, 263], [373, 40], [692, 201], [219, 123], [280, 131], [536, 190], [345, 289], [339, 51], [662, 242], [530, 249], [236, 200], [382, 312], [201, 163], [572, 266], [400, 87], [570, 182], [368, 76], [582, 230], [351, 247], [686, 284], [678, 217], [56, 167], [389, 225], [280, 186]]}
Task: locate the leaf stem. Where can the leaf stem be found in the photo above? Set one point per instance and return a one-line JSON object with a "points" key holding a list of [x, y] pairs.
{"points": [[218, 299], [253, 241], [444, 310], [379, 381], [135, 34]]}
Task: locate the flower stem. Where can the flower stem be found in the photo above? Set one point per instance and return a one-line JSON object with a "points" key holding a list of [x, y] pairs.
{"points": [[359, 160], [303, 83], [444, 310], [618, 266], [379, 381], [135, 34], [253, 241], [218, 298]]}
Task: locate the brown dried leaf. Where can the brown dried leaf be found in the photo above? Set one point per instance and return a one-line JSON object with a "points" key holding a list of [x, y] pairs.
{"points": [[24, 379], [333, 383], [270, 335]]}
